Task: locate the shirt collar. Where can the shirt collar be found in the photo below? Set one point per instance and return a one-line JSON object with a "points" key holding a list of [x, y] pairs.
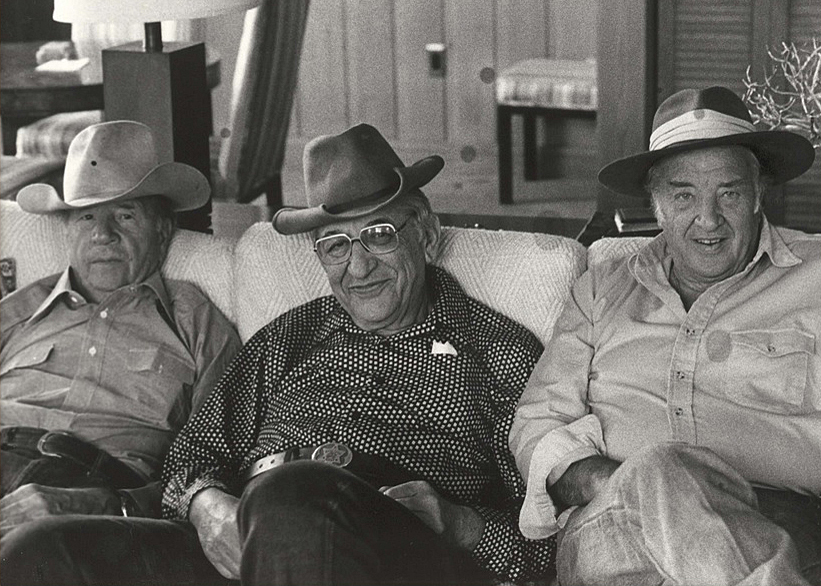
{"points": [[63, 287], [654, 257], [449, 312]]}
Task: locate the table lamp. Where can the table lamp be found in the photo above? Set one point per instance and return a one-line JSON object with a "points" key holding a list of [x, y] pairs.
{"points": [[160, 84]]}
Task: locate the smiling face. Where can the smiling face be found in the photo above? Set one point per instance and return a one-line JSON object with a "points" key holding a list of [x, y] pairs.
{"points": [[117, 244], [707, 204], [385, 293]]}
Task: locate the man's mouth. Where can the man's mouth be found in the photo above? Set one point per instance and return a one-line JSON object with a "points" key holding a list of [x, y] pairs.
{"points": [[367, 289], [708, 242]]}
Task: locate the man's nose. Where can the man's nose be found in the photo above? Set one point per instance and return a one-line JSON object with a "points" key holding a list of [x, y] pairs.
{"points": [[709, 213], [103, 231], [361, 262]]}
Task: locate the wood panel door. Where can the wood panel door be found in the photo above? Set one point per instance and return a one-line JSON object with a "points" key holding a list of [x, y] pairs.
{"points": [[365, 61]]}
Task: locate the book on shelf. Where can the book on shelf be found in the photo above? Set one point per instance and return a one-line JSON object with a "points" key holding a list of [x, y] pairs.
{"points": [[633, 220]]}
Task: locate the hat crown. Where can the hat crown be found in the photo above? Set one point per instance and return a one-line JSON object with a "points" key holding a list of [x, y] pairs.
{"points": [[108, 158], [343, 168], [716, 98]]}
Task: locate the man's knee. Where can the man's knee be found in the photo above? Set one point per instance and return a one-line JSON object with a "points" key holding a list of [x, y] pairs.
{"points": [[37, 552], [679, 468]]}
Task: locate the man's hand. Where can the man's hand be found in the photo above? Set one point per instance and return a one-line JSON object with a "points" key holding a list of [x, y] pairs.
{"points": [[34, 501], [459, 525], [583, 480], [214, 515]]}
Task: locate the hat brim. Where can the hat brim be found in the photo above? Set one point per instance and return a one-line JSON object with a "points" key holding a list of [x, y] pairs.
{"points": [[184, 186], [783, 156], [297, 220]]}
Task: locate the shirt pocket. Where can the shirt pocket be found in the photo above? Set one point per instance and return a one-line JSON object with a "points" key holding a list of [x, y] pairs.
{"points": [[160, 383], [768, 369], [29, 357]]}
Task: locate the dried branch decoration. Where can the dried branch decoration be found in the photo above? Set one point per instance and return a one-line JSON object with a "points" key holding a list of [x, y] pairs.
{"points": [[789, 98]]}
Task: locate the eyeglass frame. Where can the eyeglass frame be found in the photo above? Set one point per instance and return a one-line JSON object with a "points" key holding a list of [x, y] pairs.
{"points": [[359, 239]]}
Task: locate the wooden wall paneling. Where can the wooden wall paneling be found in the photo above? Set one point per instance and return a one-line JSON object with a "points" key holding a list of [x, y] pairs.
{"points": [[572, 31], [470, 31], [372, 80], [323, 79], [627, 85], [420, 97], [521, 31]]}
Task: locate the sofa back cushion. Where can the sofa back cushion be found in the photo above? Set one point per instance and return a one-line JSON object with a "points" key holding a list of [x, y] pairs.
{"points": [[523, 275], [39, 246], [611, 248]]}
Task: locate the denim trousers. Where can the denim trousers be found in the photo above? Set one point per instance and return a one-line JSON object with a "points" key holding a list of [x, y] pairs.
{"points": [[678, 514], [302, 523]]}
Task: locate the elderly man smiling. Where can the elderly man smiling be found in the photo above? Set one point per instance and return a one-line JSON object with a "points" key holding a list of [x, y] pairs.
{"points": [[100, 366], [358, 439], [673, 424]]}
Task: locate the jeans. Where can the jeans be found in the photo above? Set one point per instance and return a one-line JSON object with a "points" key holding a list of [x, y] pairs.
{"points": [[301, 523], [678, 514]]}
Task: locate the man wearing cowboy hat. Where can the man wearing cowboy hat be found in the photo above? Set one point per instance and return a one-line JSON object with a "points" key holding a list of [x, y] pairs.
{"points": [[670, 432], [101, 365], [390, 401]]}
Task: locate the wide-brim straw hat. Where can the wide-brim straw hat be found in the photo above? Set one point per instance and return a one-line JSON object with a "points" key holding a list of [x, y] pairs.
{"points": [[116, 161], [695, 119], [351, 175]]}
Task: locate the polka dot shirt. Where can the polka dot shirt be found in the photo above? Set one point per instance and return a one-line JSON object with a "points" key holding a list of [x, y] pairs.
{"points": [[437, 400]]}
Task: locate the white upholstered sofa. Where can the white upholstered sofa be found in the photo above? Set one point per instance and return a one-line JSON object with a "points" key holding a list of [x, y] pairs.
{"points": [[261, 274]]}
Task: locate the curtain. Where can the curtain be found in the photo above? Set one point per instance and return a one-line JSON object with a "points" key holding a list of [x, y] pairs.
{"points": [[262, 95]]}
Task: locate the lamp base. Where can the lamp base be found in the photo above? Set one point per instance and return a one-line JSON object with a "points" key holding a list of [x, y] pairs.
{"points": [[166, 90]]}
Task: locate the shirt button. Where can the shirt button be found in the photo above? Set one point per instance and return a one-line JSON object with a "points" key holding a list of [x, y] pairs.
{"points": [[770, 348], [104, 314], [678, 411], [355, 415], [679, 375], [92, 351], [378, 381], [690, 332]]}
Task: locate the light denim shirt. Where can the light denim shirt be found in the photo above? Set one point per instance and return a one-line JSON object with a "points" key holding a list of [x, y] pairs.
{"points": [[124, 374], [628, 367]]}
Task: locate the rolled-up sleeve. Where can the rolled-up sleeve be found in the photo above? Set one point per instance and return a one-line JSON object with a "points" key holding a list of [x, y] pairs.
{"points": [[552, 427]]}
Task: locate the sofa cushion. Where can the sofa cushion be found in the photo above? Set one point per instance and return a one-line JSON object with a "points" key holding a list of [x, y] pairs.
{"points": [[523, 275], [39, 247]]}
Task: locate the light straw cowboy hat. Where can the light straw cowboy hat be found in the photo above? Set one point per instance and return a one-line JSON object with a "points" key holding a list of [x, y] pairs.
{"points": [[351, 175], [695, 119], [116, 161]]}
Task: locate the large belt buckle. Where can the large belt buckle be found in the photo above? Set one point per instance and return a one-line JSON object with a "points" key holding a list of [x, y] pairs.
{"points": [[333, 453], [41, 443]]}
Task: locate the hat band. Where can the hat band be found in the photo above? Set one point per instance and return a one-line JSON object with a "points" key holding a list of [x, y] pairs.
{"points": [[697, 125]]}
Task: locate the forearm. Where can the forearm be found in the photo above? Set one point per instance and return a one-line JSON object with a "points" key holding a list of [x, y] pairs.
{"points": [[582, 480]]}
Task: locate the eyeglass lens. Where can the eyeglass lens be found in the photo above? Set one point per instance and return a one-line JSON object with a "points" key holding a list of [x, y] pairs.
{"points": [[378, 239]]}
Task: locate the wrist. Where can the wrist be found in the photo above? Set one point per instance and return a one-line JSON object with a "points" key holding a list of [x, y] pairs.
{"points": [[128, 507]]}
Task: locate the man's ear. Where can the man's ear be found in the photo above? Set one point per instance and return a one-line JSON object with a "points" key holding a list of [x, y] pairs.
{"points": [[433, 235], [165, 231]]}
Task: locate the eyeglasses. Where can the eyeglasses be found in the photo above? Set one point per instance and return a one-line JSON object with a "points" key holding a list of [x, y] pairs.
{"points": [[377, 239]]}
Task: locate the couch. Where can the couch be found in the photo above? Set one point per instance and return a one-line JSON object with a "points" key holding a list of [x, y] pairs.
{"points": [[255, 277]]}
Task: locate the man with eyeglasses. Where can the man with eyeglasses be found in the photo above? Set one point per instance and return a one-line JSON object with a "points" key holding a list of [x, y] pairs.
{"points": [[390, 401]]}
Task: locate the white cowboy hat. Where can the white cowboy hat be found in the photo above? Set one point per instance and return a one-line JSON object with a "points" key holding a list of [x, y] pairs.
{"points": [[116, 161], [695, 119]]}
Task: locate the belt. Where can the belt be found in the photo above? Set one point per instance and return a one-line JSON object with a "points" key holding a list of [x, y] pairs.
{"points": [[376, 470], [59, 444]]}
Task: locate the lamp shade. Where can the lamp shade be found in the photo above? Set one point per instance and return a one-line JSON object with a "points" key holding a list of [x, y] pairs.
{"points": [[130, 11]]}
